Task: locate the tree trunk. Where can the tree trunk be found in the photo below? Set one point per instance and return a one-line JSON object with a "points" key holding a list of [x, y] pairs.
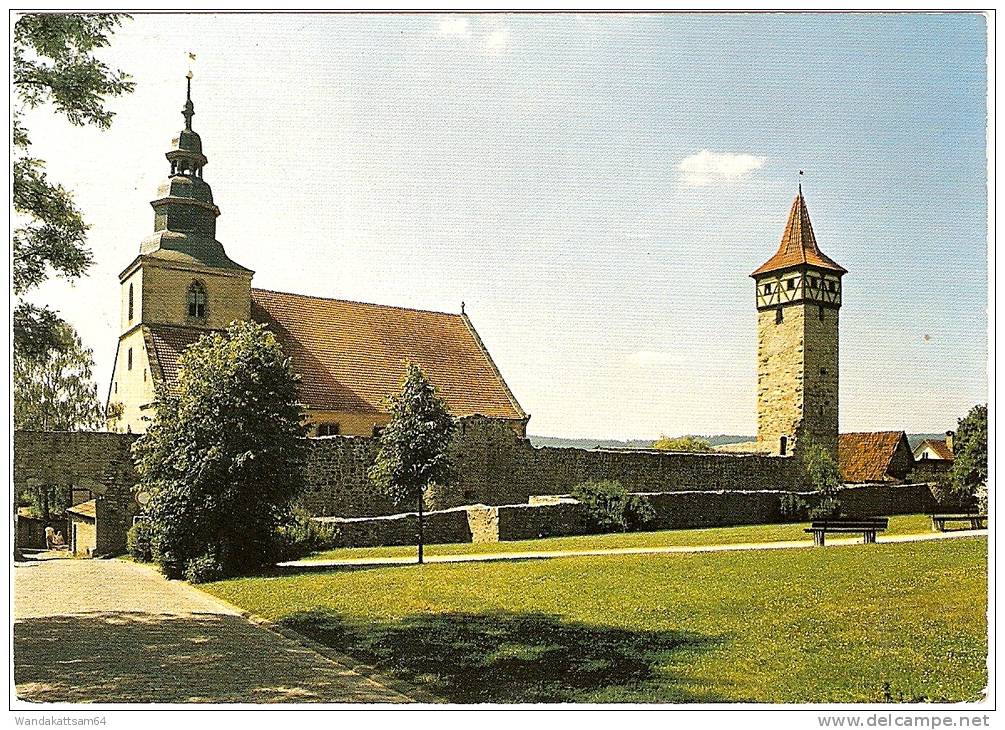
{"points": [[420, 528]]}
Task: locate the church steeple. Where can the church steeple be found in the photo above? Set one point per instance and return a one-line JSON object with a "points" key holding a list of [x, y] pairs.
{"points": [[184, 212]]}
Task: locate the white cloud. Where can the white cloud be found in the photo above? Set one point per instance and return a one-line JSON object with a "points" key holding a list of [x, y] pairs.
{"points": [[496, 41], [705, 167], [454, 26]]}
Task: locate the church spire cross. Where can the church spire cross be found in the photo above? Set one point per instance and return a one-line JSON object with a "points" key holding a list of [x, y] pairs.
{"points": [[189, 111]]}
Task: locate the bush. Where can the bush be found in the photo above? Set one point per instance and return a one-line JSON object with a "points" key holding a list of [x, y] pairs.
{"points": [[612, 508], [828, 508], [223, 457], [793, 507], [204, 569], [683, 443], [139, 542], [299, 536]]}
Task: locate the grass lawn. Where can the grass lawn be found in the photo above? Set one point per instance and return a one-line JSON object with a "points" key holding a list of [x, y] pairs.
{"points": [[838, 624], [901, 525]]}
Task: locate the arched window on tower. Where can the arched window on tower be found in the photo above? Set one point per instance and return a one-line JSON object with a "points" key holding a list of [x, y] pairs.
{"points": [[197, 301], [130, 302]]}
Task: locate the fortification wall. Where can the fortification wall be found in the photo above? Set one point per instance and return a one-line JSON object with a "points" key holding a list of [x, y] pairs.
{"points": [[496, 467], [674, 510]]}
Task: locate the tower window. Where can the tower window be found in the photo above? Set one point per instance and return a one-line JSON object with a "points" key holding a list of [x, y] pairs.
{"points": [[329, 429], [197, 301], [767, 288], [813, 283], [834, 286], [129, 359], [778, 316], [792, 284], [130, 302], [783, 443]]}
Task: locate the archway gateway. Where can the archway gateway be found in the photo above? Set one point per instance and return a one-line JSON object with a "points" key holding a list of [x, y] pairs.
{"points": [[100, 463]]}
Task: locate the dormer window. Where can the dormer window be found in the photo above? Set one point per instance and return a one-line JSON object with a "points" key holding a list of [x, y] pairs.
{"points": [[197, 301]]}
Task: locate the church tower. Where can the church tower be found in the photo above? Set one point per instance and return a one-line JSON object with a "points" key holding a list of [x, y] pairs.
{"points": [[181, 285], [798, 295]]}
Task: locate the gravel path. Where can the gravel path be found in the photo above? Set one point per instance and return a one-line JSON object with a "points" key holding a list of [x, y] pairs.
{"points": [[111, 631], [544, 555]]}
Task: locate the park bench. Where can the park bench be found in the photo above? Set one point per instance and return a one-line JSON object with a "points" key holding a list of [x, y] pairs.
{"points": [[977, 521], [868, 528]]}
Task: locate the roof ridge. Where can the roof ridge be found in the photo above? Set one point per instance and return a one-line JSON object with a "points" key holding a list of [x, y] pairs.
{"points": [[492, 363], [355, 301]]}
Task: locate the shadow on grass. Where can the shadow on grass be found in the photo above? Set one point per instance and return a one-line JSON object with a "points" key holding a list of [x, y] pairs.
{"points": [[506, 657]]}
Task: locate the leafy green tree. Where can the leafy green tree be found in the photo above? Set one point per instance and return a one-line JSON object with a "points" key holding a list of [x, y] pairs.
{"points": [[56, 391], [223, 457], [820, 467], [968, 475], [54, 64], [412, 448], [682, 443]]}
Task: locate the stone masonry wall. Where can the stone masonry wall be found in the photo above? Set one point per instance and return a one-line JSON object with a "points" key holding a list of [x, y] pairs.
{"points": [[674, 510], [496, 467]]}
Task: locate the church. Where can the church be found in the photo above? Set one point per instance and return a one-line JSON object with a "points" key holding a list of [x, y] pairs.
{"points": [[350, 355]]}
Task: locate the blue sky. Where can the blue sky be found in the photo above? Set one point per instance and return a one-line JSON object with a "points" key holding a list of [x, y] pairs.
{"points": [[596, 188]]}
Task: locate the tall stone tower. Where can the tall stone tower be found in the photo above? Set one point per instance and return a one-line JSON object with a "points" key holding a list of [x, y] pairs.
{"points": [[180, 285], [798, 294]]}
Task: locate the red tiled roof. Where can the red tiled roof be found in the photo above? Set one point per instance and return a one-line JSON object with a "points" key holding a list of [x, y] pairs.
{"points": [[351, 356], [939, 446], [866, 457], [799, 245], [165, 344]]}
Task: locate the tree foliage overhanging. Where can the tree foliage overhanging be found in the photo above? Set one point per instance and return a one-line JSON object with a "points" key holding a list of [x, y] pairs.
{"points": [[683, 443], [54, 63], [222, 459]]}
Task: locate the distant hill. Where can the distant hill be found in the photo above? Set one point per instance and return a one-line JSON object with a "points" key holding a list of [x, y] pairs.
{"points": [[720, 440], [563, 443]]}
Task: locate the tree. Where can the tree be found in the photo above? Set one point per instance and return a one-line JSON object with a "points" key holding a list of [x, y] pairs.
{"points": [[56, 391], [682, 443], [53, 63], [821, 469], [412, 448], [223, 457], [968, 475]]}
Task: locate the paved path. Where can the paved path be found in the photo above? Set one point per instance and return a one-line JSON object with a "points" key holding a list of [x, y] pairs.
{"points": [[111, 631], [544, 555]]}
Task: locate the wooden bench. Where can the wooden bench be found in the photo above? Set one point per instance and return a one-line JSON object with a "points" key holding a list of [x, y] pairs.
{"points": [[868, 528], [977, 521]]}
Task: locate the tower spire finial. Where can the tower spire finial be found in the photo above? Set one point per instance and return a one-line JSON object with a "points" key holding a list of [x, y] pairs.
{"points": [[189, 111], [800, 182]]}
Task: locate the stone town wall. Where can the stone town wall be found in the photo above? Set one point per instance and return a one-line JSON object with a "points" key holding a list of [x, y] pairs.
{"points": [[101, 462], [562, 517], [496, 467]]}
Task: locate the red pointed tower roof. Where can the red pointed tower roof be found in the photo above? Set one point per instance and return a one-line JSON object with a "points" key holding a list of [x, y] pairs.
{"points": [[799, 245]]}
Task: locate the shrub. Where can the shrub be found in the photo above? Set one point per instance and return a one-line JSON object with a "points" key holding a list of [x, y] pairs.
{"points": [[612, 508], [299, 536], [204, 569], [139, 542], [827, 508], [821, 469], [793, 507]]}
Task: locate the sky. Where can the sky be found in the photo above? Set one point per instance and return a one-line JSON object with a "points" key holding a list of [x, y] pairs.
{"points": [[595, 188]]}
